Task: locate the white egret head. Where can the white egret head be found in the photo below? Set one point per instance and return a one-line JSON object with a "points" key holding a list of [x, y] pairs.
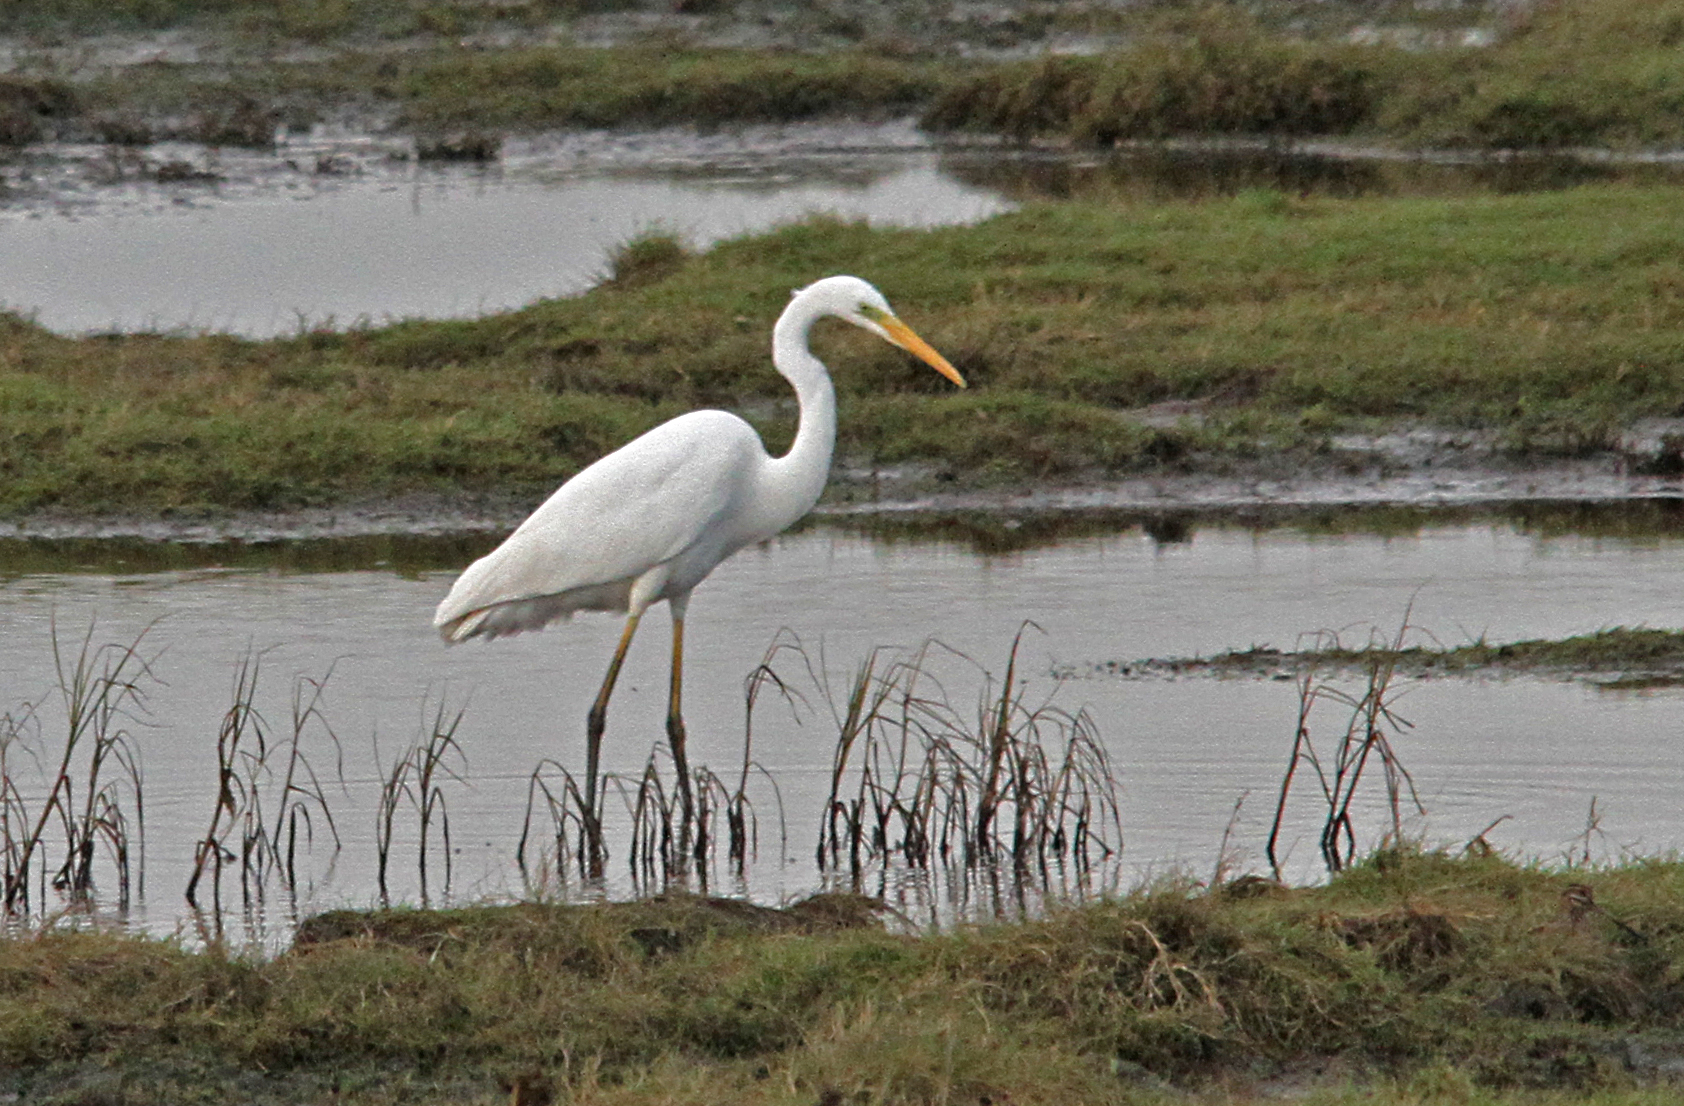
{"points": [[857, 301]]}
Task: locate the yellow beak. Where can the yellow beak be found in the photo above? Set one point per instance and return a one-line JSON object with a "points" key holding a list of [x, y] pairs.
{"points": [[903, 337]]}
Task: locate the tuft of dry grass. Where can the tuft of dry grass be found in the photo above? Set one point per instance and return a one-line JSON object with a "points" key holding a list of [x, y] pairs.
{"points": [[270, 802]]}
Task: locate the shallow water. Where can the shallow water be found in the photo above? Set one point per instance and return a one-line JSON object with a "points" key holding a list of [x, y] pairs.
{"points": [[1185, 751], [346, 230], [271, 251]]}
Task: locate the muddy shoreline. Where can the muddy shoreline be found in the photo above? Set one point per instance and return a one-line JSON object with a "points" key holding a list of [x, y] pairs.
{"points": [[1234, 492]]}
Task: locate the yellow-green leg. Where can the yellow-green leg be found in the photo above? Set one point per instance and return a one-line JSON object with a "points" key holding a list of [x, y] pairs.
{"points": [[598, 719], [675, 719]]}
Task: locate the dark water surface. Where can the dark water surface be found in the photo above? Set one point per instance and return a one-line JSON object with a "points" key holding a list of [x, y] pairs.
{"points": [[1184, 751]]}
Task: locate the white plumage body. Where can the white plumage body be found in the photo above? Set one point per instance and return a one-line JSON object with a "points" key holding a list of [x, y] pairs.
{"points": [[649, 521]]}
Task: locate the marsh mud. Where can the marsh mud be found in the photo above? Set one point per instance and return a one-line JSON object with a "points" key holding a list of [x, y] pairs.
{"points": [[1408, 471]]}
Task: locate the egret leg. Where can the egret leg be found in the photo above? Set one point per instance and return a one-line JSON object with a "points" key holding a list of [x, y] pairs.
{"points": [[598, 717], [675, 718]]}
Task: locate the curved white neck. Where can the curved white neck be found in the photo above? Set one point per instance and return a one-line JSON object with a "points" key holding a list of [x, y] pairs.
{"points": [[793, 483]]}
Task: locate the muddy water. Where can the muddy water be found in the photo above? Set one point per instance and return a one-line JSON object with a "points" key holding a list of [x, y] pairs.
{"points": [[1185, 751]]}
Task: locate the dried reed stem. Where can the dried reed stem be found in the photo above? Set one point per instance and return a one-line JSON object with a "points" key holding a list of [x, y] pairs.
{"points": [[914, 779], [1370, 721], [102, 691], [416, 780]]}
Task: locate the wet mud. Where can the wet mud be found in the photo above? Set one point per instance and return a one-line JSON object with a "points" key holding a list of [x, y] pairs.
{"points": [[1446, 476]]}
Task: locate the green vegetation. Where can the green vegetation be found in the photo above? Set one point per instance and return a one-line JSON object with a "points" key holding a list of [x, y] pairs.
{"points": [[432, 91], [1215, 73], [1586, 73], [652, 86], [1578, 73], [306, 20], [1616, 658], [904, 24], [1263, 324], [1432, 978]]}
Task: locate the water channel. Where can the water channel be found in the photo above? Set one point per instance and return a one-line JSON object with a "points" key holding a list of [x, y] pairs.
{"points": [[346, 230], [1533, 751]]}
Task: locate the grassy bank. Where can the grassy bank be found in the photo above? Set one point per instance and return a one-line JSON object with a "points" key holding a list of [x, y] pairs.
{"points": [[1622, 658], [433, 91], [1100, 338], [1579, 73], [1412, 978]]}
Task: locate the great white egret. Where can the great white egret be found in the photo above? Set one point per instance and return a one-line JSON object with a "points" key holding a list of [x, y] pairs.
{"points": [[651, 520]]}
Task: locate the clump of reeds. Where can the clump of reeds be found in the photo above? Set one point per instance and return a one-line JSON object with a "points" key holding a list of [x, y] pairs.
{"points": [[93, 800], [1369, 721], [571, 826], [918, 780], [664, 847], [663, 844], [416, 780], [269, 796]]}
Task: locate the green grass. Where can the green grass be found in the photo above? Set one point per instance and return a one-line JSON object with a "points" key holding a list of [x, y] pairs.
{"points": [[432, 90], [1414, 978], [1583, 72], [906, 22], [1214, 71], [1616, 658], [1590, 72], [1579, 73], [653, 86], [1547, 322]]}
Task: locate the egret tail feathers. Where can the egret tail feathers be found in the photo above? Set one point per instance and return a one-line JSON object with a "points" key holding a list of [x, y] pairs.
{"points": [[516, 616]]}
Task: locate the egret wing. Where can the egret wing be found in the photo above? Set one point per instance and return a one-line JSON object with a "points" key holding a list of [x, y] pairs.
{"points": [[639, 507]]}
